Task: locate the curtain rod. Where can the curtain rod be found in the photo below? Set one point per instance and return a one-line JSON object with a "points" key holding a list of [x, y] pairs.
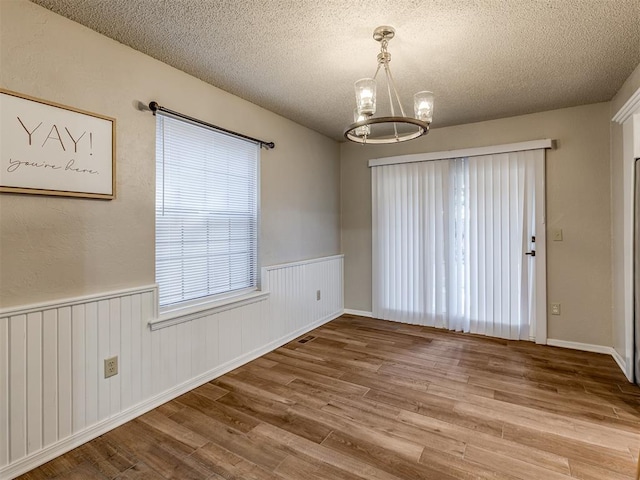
{"points": [[155, 107]]}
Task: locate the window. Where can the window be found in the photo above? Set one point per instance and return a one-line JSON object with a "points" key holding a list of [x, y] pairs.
{"points": [[206, 212]]}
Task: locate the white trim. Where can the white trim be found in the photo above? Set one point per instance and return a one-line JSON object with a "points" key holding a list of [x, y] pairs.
{"points": [[303, 262], [622, 364], [359, 313], [59, 448], [628, 109], [67, 302], [629, 117], [465, 152], [585, 347], [540, 298], [193, 312]]}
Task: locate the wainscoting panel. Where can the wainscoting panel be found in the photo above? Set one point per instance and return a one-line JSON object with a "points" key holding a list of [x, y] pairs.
{"points": [[53, 394], [294, 288]]}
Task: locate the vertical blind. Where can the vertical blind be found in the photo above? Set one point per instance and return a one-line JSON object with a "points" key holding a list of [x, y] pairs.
{"points": [[409, 242], [449, 243], [206, 211]]}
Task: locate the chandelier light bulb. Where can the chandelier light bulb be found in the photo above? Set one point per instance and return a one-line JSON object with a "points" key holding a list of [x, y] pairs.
{"points": [[366, 96], [423, 106], [365, 129]]}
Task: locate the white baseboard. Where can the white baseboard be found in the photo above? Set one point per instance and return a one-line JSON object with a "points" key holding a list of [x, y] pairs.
{"points": [[360, 313], [59, 448], [585, 347], [622, 363]]}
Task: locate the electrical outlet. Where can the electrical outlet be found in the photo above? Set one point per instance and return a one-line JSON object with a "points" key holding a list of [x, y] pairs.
{"points": [[318, 295], [555, 309], [110, 367]]}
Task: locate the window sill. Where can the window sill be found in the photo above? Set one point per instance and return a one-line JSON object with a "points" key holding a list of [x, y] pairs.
{"points": [[186, 314]]}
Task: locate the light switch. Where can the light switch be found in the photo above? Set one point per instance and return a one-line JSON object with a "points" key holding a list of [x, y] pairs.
{"points": [[557, 235]]}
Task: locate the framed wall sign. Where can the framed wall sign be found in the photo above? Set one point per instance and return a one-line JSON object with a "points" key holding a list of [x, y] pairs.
{"points": [[52, 149]]}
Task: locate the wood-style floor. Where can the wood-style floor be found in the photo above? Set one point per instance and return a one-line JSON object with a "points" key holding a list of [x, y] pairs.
{"points": [[368, 399]]}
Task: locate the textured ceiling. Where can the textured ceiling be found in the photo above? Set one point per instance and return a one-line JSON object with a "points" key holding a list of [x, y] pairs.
{"points": [[483, 59]]}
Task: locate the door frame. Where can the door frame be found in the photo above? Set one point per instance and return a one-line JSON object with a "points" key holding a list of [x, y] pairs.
{"points": [[629, 117], [540, 301]]}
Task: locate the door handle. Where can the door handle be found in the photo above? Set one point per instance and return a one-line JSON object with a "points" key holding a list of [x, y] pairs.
{"points": [[532, 253]]}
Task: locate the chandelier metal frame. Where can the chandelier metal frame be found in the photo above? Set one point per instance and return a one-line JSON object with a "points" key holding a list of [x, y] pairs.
{"points": [[359, 131]]}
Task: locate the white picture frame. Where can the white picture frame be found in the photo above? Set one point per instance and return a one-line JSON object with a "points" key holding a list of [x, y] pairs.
{"points": [[52, 149]]}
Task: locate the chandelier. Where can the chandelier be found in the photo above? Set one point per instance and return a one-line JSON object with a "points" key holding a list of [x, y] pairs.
{"points": [[391, 129]]}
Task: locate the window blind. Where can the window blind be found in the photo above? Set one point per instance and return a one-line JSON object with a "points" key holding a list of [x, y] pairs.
{"points": [[206, 211], [449, 242]]}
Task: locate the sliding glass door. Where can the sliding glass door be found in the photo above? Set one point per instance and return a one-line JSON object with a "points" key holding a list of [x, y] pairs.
{"points": [[457, 244]]}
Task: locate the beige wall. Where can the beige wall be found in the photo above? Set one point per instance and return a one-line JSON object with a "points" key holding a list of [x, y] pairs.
{"points": [[617, 210], [578, 193], [59, 247]]}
